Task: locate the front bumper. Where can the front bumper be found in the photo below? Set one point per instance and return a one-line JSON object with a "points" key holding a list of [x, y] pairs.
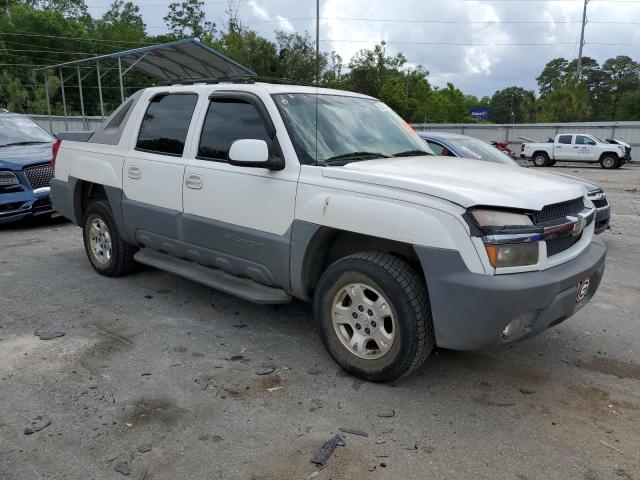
{"points": [[603, 215], [21, 204], [471, 310]]}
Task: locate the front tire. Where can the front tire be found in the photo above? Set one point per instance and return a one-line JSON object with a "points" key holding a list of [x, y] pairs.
{"points": [[608, 162], [372, 312], [108, 253], [540, 159]]}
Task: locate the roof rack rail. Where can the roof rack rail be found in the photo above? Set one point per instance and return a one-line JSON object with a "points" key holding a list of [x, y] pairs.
{"points": [[229, 79]]}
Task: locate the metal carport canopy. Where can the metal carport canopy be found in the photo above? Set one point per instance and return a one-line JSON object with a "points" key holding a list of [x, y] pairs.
{"points": [[186, 59], [180, 60]]}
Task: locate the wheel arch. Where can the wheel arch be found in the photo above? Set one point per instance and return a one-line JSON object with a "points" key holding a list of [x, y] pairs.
{"points": [[609, 153], [315, 247], [85, 192]]}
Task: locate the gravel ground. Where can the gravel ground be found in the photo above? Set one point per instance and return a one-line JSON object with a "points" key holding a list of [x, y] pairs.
{"points": [[160, 373]]}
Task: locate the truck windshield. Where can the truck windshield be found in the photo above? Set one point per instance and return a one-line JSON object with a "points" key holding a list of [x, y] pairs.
{"points": [[16, 130], [335, 129], [479, 150]]}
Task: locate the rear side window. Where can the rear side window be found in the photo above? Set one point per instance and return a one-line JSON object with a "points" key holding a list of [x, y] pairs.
{"points": [[228, 120], [166, 123], [566, 139]]}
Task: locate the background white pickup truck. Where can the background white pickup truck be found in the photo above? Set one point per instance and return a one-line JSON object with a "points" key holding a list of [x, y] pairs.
{"points": [[270, 192], [575, 147]]}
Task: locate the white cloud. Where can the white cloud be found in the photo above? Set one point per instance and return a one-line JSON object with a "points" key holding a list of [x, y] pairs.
{"points": [[476, 69]]}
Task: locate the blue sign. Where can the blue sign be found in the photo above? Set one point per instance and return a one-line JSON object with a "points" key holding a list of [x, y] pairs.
{"points": [[480, 113]]}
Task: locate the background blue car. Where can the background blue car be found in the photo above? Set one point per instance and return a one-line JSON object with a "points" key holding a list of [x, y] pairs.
{"points": [[463, 146], [25, 168]]}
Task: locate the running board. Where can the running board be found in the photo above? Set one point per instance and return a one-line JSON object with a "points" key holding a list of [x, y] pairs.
{"points": [[244, 288]]}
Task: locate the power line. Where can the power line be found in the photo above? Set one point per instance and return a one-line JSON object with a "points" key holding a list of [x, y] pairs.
{"points": [[28, 34], [474, 44]]}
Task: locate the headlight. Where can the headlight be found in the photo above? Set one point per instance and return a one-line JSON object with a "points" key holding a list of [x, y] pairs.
{"points": [[510, 238], [500, 219], [512, 254], [8, 179]]}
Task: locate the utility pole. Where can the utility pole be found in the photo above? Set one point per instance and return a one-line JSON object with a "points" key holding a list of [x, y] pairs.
{"points": [[584, 22], [317, 42]]}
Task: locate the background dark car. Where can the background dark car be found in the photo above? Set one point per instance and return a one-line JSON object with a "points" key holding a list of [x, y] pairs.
{"points": [[25, 168], [463, 146]]}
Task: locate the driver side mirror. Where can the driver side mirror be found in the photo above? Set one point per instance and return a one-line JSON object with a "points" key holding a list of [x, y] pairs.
{"points": [[253, 153]]}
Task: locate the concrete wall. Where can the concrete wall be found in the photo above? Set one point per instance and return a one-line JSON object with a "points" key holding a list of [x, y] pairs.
{"points": [[627, 131]]}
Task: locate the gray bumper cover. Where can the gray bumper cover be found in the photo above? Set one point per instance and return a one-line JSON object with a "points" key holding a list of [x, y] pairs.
{"points": [[471, 310]]}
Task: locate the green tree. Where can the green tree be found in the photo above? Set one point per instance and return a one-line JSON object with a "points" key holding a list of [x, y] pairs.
{"points": [[510, 105], [623, 75], [297, 57], [552, 72], [188, 18], [393, 94]]}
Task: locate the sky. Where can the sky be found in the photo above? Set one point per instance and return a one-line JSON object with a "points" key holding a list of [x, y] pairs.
{"points": [[479, 45]]}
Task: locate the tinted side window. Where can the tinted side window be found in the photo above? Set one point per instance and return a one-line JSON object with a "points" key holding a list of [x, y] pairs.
{"points": [[582, 140], [566, 139], [165, 125], [436, 147], [228, 120]]}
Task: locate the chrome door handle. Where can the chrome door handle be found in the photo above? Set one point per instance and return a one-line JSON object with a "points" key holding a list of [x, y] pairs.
{"points": [[134, 172], [193, 181]]}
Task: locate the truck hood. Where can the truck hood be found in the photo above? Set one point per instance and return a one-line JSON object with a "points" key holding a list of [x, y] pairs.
{"points": [[19, 156], [578, 181], [462, 181]]}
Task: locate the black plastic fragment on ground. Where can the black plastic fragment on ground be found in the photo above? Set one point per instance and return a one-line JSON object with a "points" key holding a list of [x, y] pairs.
{"points": [[48, 335]]}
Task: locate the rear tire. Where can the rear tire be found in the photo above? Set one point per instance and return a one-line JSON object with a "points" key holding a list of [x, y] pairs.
{"points": [[608, 162], [373, 315], [108, 253], [540, 159]]}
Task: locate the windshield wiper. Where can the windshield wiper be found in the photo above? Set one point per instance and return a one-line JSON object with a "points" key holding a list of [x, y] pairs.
{"points": [[351, 157], [411, 153], [32, 142]]}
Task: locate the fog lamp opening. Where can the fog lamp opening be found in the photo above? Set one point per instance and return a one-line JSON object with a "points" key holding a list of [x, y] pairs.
{"points": [[519, 326]]}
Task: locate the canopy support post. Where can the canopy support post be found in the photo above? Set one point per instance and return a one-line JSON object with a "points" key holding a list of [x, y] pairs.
{"points": [[100, 90], [46, 92], [64, 102], [120, 78], [81, 99]]}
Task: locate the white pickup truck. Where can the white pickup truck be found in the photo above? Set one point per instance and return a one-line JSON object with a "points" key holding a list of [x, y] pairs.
{"points": [[576, 147], [270, 192]]}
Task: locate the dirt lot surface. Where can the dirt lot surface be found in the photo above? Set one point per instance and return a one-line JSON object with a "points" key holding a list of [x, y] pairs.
{"points": [[160, 373]]}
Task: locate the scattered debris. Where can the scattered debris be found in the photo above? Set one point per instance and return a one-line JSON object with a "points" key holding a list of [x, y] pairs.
{"points": [[372, 467], [390, 414], [327, 449], [123, 468], [144, 448], [315, 473], [505, 404], [608, 445], [314, 371], [235, 358], [49, 335], [525, 391], [354, 432], [145, 475], [265, 370], [148, 297], [273, 389], [33, 429], [145, 374], [383, 464], [240, 325]]}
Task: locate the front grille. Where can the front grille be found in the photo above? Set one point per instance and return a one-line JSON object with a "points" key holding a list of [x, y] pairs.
{"points": [[558, 211], [40, 175], [600, 203], [560, 244]]}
